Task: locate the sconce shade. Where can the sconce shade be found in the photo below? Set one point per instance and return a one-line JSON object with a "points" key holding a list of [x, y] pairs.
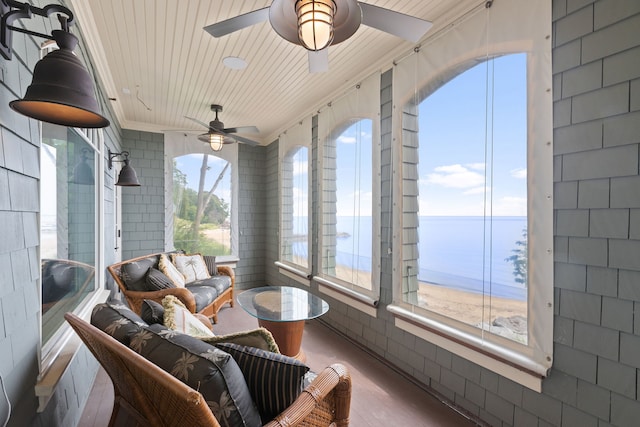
{"points": [[315, 23], [61, 91], [215, 140], [128, 177]]}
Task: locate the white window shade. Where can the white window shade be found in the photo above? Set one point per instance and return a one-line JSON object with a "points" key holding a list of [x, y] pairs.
{"points": [[177, 144], [507, 27], [295, 199], [348, 135]]}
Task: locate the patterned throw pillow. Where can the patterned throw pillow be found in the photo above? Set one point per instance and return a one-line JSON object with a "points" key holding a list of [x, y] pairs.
{"points": [[210, 262], [178, 318], [117, 320], [192, 267], [152, 312], [170, 270], [274, 380], [134, 273], [204, 368], [157, 280]]}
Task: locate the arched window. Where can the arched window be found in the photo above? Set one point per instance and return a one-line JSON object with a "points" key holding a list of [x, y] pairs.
{"points": [[201, 214], [349, 197], [294, 157], [202, 204], [347, 226], [473, 237]]}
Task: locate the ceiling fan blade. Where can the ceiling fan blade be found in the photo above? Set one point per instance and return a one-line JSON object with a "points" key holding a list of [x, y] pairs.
{"points": [[242, 129], [206, 125], [319, 60], [239, 22], [245, 140], [404, 26]]}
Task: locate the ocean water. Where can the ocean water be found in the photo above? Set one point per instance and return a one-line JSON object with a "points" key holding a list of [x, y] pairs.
{"points": [[452, 251]]}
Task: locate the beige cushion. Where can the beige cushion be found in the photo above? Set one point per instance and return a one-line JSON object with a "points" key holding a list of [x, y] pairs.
{"points": [[178, 318], [171, 271], [192, 267]]}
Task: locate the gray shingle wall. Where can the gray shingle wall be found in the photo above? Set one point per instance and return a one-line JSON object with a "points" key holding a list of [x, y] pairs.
{"points": [[251, 216], [19, 262], [143, 207]]}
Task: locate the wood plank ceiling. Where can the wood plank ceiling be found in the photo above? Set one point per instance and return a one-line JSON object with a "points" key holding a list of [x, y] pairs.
{"points": [[155, 59]]}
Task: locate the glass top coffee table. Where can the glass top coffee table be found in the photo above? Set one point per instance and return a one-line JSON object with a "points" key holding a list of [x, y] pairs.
{"points": [[282, 310]]}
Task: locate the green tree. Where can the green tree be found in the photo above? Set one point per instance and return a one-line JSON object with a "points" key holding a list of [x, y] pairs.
{"points": [[520, 259]]}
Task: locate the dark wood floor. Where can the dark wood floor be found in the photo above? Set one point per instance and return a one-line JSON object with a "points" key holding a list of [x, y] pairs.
{"points": [[380, 396]]}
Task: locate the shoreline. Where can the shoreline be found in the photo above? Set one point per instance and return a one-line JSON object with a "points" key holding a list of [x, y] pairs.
{"points": [[468, 307]]}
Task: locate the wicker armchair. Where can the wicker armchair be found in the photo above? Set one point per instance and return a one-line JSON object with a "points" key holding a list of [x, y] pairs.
{"points": [[135, 298], [157, 398]]}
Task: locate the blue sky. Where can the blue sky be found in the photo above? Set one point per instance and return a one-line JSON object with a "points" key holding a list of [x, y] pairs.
{"points": [[455, 170]]}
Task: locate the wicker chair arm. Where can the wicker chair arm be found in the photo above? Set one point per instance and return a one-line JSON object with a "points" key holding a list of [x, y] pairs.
{"points": [[227, 271], [135, 298], [313, 405]]}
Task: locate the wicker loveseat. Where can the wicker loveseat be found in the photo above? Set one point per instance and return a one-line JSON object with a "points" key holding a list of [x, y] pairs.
{"points": [[205, 296], [158, 398]]}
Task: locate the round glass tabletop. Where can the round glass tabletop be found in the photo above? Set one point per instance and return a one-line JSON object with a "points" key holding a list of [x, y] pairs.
{"points": [[282, 304]]}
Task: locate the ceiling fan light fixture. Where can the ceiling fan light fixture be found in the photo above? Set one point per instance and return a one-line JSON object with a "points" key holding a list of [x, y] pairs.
{"points": [[215, 140], [315, 23]]}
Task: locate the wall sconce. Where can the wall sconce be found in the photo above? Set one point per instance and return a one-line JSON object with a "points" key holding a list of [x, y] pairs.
{"points": [[315, 23], [82, 173], [127, 177], [214, 139], [61, 91]]}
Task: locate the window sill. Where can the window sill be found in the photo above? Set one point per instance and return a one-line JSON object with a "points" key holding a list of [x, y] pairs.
{"points": [[228, 260], [63, 353], [515, 366], [294, 273], [348, 296]]}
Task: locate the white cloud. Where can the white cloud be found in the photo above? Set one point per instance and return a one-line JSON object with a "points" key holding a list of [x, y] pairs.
{"points": [[476, 190], [347, 139], [476, 166], [456, 176], [519, 173]]}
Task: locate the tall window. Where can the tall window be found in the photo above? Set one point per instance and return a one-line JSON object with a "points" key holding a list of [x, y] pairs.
{"points": [[473, 220], [202, 204], [472, 199], [68, 225], [348, 229], [295, 208]]}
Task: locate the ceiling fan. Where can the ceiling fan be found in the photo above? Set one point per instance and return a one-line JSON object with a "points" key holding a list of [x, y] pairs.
{"points": [[318, 24], [217, 135]]}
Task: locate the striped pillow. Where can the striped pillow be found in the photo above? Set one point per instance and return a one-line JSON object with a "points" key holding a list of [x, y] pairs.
{"points": [[274, 380]]}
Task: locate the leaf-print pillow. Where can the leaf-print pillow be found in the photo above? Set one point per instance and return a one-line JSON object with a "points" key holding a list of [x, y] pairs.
{"points": [[203, 367], [178, 318], [192, 267], [171, 271]]}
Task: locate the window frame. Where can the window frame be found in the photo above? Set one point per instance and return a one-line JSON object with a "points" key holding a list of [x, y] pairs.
{"points": [[443, 59], [57, 352], [360, 103], [294, 138], [177, 144]]}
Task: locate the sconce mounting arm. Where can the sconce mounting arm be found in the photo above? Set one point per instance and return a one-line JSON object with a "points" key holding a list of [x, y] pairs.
{"points": [[12, 10]]}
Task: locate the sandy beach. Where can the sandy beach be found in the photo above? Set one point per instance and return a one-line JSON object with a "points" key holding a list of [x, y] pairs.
{"points": [[467, 307]]}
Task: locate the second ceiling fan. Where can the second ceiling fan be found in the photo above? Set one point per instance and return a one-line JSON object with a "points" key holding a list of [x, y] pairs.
{"points": [[318, 24], [218, 135]]}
